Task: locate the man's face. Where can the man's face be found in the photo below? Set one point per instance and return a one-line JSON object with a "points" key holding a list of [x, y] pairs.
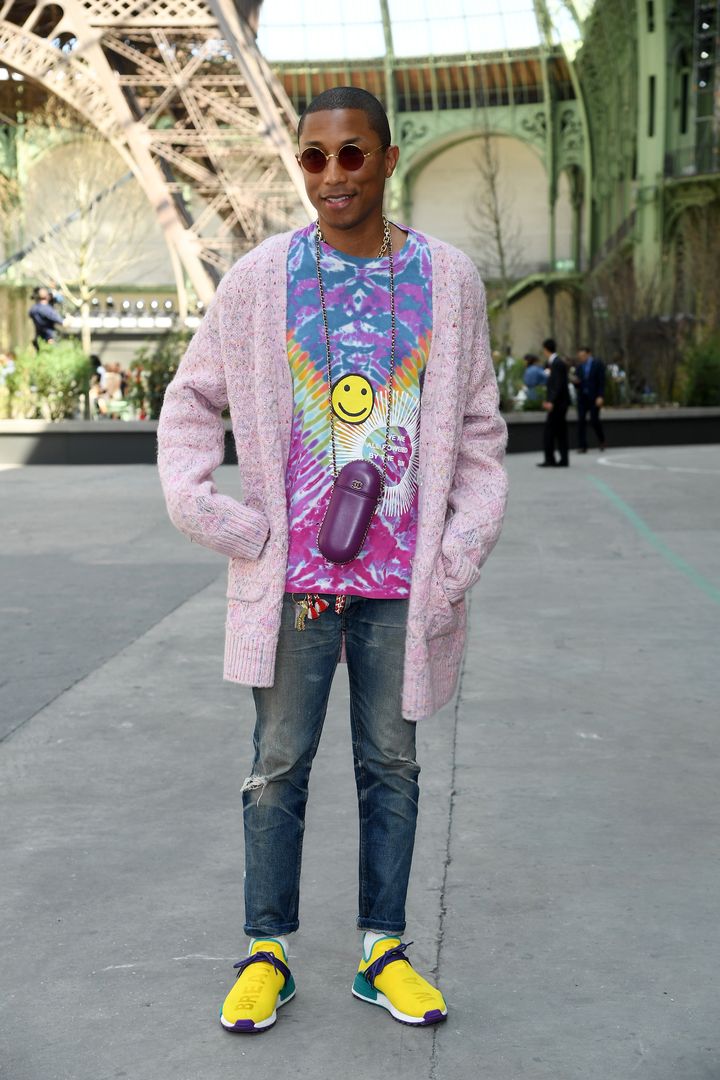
{"points": [[345, 199], [582, 355]]}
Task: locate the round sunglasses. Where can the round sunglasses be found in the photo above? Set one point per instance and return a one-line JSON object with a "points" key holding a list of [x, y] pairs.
{"points": [[349, 157]]}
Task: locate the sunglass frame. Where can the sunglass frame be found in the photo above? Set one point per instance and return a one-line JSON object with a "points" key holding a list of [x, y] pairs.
{"points": [[346, 167]]}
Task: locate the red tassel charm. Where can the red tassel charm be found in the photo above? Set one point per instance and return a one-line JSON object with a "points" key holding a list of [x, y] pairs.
{"points": [[316, 606]]}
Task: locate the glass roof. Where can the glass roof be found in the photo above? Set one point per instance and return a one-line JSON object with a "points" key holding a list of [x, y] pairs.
{"points": [[303, 30]]}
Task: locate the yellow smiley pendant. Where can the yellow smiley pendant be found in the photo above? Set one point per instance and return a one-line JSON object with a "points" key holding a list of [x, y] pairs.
{"points": [[352, 398]]}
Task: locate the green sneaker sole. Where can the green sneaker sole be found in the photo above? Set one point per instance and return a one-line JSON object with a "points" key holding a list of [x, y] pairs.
{"points": [[362, 990]]}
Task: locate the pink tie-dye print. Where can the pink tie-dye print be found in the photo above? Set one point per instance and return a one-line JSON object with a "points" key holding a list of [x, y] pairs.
{"points": [[358, 308]]}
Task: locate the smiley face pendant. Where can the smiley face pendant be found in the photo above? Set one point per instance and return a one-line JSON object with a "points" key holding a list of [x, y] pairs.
{"points": [[352, 398]]}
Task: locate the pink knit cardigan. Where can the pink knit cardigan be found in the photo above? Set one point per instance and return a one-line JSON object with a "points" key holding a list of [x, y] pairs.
{"points": [[238, 358]]}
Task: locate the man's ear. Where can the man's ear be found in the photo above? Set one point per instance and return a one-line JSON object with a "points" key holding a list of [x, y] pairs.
{"points": [[392, 155]]}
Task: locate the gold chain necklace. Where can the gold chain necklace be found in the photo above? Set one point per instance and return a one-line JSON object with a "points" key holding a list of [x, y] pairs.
{"points": [[387, 245], [385, 241]]}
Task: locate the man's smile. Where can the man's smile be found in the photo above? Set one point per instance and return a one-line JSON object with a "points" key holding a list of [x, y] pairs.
{"points": [[337, 200]]}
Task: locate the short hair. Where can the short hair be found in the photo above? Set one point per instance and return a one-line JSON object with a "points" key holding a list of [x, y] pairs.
{"points": [[530, 358], [585, 348], [549, 344], [351, 97]]}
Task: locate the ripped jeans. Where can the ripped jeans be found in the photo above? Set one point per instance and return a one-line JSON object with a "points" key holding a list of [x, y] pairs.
{"points": [[290, 718]]}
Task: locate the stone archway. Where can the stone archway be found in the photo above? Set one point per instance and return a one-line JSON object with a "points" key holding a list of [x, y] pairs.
{"points": [[446, 187]]}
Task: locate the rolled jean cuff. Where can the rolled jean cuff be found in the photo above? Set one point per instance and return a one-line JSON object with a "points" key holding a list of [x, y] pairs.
{"points": [[278, 931], [380, 927]]}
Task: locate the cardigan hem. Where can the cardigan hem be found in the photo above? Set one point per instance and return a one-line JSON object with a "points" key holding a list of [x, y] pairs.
{"points": [[429, 692], [250, 661]]}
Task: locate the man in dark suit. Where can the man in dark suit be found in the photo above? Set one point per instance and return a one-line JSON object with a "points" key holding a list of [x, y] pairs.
{"points": [[589, 380], [556, 406]]}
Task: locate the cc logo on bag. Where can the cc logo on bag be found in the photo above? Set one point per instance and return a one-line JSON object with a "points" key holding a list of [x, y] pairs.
{"points": [[357, 484]]}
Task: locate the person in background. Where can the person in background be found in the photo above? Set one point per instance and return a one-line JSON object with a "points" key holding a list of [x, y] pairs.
{"points": [[589, 380], [56, 295], [95, 396], [534, 376], [44, 318], [556, 407], [113, 381], [7, 365], [109, 389]]}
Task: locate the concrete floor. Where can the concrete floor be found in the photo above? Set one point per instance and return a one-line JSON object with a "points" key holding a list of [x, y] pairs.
{"points": [[566, 881]]}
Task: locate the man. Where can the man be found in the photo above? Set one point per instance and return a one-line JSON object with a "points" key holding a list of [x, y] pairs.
{"points": [[44, 318], [534, 376], [589, 380], [7, 366], [556, 406], [323, 343]]}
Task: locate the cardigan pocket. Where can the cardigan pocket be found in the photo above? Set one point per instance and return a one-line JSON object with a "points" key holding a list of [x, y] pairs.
{"points": [[248, 579], [441, 617]]}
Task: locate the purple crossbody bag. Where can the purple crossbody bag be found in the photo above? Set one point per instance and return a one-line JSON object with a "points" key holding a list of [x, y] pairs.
{"points": [[355, 497]]}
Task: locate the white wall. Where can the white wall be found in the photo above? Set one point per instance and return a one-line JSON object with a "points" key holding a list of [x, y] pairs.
{"points": [[446, 192], [129, 247], [530, 325]]}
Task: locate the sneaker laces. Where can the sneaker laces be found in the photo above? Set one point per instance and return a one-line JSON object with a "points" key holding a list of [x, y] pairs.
{"points": [[389, 957], [265, 958]]}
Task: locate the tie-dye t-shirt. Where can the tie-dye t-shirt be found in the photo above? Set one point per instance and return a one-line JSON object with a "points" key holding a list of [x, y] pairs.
{"points": [[357, 293]]}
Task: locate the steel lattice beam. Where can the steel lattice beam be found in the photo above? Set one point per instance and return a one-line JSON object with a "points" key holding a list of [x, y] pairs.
{"points": [[181, 91]]}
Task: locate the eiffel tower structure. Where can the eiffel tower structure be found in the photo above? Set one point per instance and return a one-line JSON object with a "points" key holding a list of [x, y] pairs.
{"points": [[180, 90]]}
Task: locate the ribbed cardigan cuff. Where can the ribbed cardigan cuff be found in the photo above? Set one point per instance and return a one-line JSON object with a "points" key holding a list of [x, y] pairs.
{"points": [[249, 660], [460, 575], [241, 533]]}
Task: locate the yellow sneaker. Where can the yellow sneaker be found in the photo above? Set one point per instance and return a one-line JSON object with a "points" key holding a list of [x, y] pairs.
{"points": [[263, 984], [387, 978]]}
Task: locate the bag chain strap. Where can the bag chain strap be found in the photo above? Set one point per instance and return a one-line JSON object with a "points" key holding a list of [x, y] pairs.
{"points": [[386, 246]]}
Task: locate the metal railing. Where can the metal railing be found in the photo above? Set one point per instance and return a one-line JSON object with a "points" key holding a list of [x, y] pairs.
{"points": [[693, 161]]}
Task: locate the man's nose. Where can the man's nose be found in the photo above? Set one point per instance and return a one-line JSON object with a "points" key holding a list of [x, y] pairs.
{"points": [[334, 172]]}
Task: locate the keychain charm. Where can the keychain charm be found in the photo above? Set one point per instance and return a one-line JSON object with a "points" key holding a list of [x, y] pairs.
{"points": [[301, 611], [316, 605], [310, 607]]}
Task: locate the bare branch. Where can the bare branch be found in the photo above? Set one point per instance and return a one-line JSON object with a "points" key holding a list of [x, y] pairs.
{"points": [[496, 231]]}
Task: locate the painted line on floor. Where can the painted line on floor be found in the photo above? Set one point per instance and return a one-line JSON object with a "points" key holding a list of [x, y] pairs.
{"points": [[646, 532], [637, 466]]}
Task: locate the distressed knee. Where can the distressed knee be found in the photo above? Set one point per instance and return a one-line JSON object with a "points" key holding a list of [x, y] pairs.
{"points": [[255, 783]]}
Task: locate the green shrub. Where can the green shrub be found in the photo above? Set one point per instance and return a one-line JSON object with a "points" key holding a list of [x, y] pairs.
{"points": [[47, 384], [702, 373], [535, 404], [152, 371], [510, 379]]}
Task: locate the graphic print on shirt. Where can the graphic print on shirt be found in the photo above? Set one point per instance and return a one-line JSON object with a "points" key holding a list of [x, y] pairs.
{"points": [[352, 398], [357, 295], [367, 440]]}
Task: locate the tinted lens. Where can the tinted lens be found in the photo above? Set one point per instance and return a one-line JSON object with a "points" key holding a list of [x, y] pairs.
{"points": [[351, 158], [313, 160]]}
